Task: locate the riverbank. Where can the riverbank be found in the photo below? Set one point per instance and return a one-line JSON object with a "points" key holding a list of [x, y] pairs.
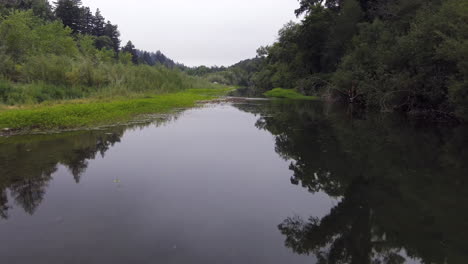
{"points": [[91, 112]]}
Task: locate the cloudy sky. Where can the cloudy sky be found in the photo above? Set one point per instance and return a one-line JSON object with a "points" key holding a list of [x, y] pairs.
{"points": [[198, 32]]}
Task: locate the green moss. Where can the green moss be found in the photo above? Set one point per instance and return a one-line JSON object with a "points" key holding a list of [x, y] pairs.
{"points": [[288, 94], [91, 112]]}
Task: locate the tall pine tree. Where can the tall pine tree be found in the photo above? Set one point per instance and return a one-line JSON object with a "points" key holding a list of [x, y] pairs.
{"points": [[87, 20], [69, 11], [98, 24], [113, 33]]}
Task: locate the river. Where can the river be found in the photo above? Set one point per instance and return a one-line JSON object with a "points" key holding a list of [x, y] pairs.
{"points": [[246, 182]]}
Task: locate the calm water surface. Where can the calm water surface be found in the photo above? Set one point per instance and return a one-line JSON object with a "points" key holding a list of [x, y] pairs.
{"points": [[257, 182]]}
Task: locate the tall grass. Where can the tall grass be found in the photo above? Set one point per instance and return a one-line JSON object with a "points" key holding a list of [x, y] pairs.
{"points": [[44, 67], [43, 61], [46, 78]]}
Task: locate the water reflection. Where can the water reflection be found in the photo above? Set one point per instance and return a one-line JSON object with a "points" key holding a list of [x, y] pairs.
{"points": [[401, 186], [400, 189], [27, 163]]}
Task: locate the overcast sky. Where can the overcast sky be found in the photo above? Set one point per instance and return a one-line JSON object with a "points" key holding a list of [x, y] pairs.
{"points": [[198, 32]]}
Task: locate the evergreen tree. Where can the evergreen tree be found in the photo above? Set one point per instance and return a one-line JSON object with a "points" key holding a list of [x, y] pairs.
{"points": [[103, 42], [70, 12], [113, 33], [147, 58], [42, 9], [130, 48], [98, 24], [87, 20]]}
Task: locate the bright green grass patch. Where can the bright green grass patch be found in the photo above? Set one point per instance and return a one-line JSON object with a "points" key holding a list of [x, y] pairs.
{"points": [[288, 94], [77, 114], [222, 90]]}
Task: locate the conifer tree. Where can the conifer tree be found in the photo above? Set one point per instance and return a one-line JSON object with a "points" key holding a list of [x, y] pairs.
{"points": [[98, 24], [70, 12], [113, 33], [87, 19], [130, 48]]}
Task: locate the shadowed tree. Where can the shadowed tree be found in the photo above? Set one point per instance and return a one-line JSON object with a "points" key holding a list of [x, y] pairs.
{"points": [[103, 42], [40, 8], [112, 32], [70, 13], [98, 24], [87, 19], [130, 48]]}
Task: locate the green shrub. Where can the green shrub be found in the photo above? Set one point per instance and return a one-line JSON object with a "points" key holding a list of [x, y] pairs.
{"points": [[46, 68], [5, 90]]}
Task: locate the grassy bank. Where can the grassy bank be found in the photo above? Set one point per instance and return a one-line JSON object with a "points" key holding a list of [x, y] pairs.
{"points": [[53, 78], [41, 60], [288, 94], [95, 111], [78, 80]]}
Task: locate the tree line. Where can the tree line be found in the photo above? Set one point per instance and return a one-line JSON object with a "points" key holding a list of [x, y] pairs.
{"points": [[82, 21], [390, 55], [64, 52]]}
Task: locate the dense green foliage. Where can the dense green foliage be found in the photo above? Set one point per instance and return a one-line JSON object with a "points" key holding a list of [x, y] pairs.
{"points": [[82, 21], [71, 54], [404, 55], [390, 55], [41, 59]]}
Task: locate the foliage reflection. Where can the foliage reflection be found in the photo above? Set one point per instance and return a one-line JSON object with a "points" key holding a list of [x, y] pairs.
{"points": [[401, 186], [27, 163]]}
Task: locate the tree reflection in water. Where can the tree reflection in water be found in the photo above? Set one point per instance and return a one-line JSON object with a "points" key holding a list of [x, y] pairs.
{"points": [[401, 185], [27, 163]]}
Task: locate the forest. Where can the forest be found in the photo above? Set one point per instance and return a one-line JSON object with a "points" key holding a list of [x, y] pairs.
{"points": [[65, 51], [113, 153], [407, 56]]}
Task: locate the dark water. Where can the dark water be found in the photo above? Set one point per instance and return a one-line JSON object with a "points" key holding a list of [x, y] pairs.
{"points": [[258, 182]]}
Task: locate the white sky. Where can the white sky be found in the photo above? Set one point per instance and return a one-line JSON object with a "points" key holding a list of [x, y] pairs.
{"points": [[198, 32]]}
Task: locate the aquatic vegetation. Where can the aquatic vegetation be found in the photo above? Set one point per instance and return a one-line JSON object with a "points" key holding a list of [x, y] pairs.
{"points": [[95, 111], [288, 94]]}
